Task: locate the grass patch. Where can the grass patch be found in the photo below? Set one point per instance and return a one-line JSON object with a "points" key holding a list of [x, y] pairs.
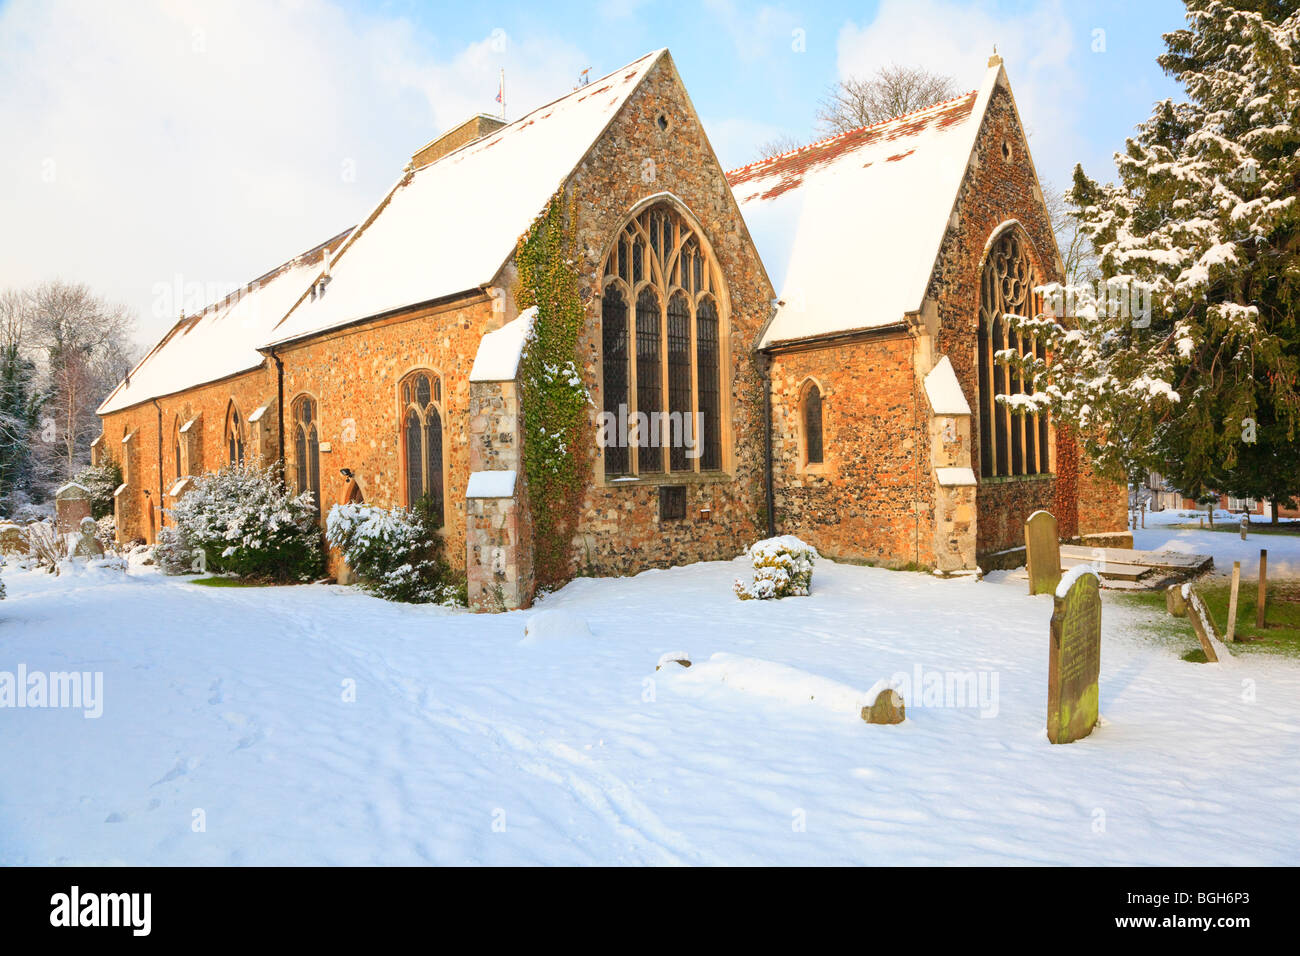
{"points": [[227, 583], [1281, 631]]}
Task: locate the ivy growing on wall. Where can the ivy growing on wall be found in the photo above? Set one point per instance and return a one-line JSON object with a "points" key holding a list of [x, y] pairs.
{"points": [[553, 397]]}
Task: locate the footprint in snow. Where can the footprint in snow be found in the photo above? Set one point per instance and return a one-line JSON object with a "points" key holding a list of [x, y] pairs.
{"points": [[183, 766]]}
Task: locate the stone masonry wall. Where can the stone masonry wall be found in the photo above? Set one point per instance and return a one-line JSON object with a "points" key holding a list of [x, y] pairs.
{"points": [[997, 189], [873, 498], [355, 375], [619, 528], [207, 442]]}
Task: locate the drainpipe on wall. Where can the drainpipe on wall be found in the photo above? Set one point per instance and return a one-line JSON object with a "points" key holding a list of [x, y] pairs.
{"points": [[766, 366], [279, 408], [160, 464]]}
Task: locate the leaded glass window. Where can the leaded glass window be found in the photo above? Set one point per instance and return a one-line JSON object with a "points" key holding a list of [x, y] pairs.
{"points": [[1009, 444], [422, 440], [660, 304]]}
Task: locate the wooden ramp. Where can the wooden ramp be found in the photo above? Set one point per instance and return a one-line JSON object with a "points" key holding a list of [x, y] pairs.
{"points": [[1127, 568]]}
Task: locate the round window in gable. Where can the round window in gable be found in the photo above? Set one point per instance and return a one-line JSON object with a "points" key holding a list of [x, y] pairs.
{"points": [[662, 122]]}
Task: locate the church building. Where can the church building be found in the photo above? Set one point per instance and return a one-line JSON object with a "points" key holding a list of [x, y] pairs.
{"points": [[812, 336]]}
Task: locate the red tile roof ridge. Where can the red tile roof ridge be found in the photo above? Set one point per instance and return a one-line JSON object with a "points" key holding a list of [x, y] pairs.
{"points": [[847, 132]]}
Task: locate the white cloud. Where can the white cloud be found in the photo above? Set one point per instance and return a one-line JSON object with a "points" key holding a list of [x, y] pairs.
{"points": [[1036, 43], [212, 141]]}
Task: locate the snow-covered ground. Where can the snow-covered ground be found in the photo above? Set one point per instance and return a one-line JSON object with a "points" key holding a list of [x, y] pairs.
{"points": [[1225, 546], [230, 707]]}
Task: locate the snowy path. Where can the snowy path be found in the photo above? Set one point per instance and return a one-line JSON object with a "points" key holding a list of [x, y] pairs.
{"points": [[231, 701]]}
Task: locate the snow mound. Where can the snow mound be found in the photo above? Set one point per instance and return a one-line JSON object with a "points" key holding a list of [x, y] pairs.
{"points": [[781, 682], [673, 657], [554, 625]]}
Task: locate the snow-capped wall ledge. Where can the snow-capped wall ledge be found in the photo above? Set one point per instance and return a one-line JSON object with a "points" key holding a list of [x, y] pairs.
{"points": [[955, 477], [258, 412], [182, 485], [490, 484], [944, 391], [190, 424], [497, 359], [71, 486]]}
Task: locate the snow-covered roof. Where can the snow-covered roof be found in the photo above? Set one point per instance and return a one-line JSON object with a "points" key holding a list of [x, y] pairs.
{"points": [[450, 226], [944, 391], [849, 228], [221, 340], [497, 359]]}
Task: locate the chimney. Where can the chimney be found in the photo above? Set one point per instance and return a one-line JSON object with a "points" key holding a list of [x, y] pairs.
{"points": [[476, 127]]}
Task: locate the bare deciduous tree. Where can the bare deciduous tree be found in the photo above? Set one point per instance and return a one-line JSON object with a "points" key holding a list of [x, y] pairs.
{"points": [[777, 145], [891, 91], [1076, 251]]}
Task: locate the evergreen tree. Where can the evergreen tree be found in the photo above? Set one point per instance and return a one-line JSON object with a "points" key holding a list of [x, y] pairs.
{"points": [[19, 407], [1204, 222]]}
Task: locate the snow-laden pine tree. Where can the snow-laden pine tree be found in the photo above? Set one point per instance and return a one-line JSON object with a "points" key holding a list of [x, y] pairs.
{"points": [[1204, 220]]}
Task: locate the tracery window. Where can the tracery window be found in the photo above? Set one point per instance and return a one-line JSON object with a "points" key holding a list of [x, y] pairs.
{"points": [[306, 447], [422, 439], [234, 436], [176, 446], [661, 340], [1009, 444]]}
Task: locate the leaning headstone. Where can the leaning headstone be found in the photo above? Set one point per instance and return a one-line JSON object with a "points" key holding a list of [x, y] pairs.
{"points": [[886, 709], [1202, 623], [1174, 601], [71, 504], [1042, 552], [1074, 663]]}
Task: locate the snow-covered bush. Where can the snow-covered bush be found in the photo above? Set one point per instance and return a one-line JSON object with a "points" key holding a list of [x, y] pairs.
{"points": [[173, 554], [783, 567], [245, 523], [397, 554], [106, 532]]}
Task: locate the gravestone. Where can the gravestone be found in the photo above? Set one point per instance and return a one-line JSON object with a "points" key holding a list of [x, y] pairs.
{"points": [[71, 504], [1042, 552], [886, 709], [13, 539], [1202, 623], [87, 545], [1175, 603], [1075, 659]]}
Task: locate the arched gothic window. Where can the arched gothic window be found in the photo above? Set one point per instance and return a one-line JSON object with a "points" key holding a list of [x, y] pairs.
{"points": [[422, 439], [306, 446], [660, 304], [234, 436], [812, 425], [1009, 444], [176, 447]]}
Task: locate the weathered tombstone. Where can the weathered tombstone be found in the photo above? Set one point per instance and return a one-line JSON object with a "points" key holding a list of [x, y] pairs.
{"points": [[87, 545], [886, 709], [1042, 552], [71, 504], [1074, 663], [1174, 601], [13, 539], [1202, 623]]}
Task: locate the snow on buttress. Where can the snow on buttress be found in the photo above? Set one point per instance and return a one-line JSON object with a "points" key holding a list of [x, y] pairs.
{"points": [[450, 226], [499, 351], [873, 203]]}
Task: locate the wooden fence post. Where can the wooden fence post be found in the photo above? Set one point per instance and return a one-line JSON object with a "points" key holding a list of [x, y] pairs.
{"points": [[1232, 602], [1263, 587]]}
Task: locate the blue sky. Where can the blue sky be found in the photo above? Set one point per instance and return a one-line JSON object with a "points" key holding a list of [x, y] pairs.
{"points": [[168, 144]]}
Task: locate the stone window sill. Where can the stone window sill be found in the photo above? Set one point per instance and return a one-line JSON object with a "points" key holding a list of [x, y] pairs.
{"points": [[1011, 479], [669, 478]]}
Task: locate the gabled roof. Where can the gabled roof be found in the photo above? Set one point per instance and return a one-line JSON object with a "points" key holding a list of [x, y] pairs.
{"points": [[849, 228], [221, 340], [450, 226]]}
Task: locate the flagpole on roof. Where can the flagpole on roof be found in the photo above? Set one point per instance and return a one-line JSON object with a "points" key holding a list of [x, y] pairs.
{"points": [[503, 92]]}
